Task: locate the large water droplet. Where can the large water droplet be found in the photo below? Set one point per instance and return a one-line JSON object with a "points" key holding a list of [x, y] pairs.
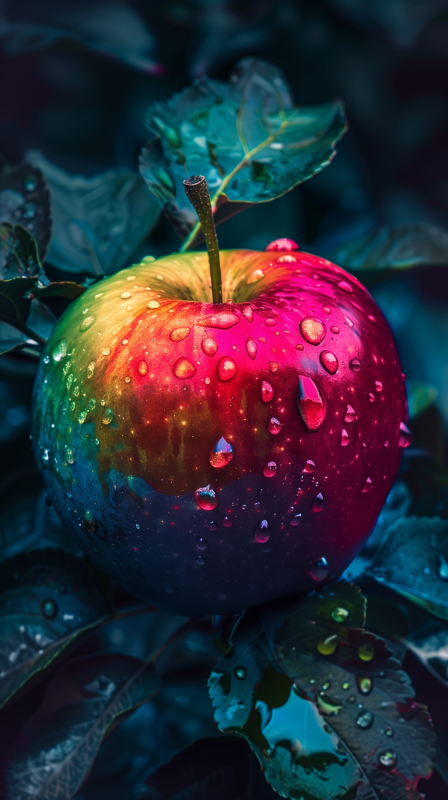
{"points": [[89, 521], [201, 543], [339, 614], [82, 417], [209, 346], [274, 425], [350, 414], [108, 416], [344, 438], [273, 366], [311, 403], [320, 569], [240, 673], [91, 369], [366, 651], [49, 608], [388, 759], [318, 502], [221, 453], [226, 369], [262, 533], [309, 466], [442, 567], [378, 386], [251, 347], [267, 392], [248, 313], [224, 320], [125, 295], [345, 286], [327, 646], [286, 245], [364, 719], [364, 683], [313, 330], [335, 329], [183, 368], [329, 361], [59, 350], [206, 498], [354, 365], [270, 469], [153, 304], [179, 334], [87, 323], [296, 520], [404, 435], [142, 368]]}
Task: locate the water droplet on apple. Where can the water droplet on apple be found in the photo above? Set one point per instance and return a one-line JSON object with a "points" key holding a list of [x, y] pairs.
{"points": [[262, 533], [224, 320], [248, 313], [90, 369], [404, 436], [221, 453], [295, 520], [309, 466], [334, 329], [354, 365], [213, 526], [179, 334], [153, 304], [378, 386], [270, 469], [226, 369], [89, 521], [274, 425], [282, 244], [142, 368], [227, 522], [310, 403], [313, 330], [350, 414], [106, 351], [371, 318], [345, 286], [371, 397], [206, 498], [368, 485], [209, 346], [200, 561], [59, 350], [183, 368], [270, 322], [318, 502], [201, 543], [329, 361], [273, 366], [108, 416], [344, 438], [267, 392], [251, 347], [125, 295]]}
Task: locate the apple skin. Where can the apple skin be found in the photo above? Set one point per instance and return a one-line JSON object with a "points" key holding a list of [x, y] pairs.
{"points": [[130, 403]]}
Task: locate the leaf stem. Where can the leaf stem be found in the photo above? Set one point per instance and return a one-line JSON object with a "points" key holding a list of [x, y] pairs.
{"points": [[197, 192]]}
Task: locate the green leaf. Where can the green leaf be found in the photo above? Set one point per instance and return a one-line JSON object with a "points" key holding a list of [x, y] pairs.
{"points": [[420, 397], [331, 713], [14, 303], [48, 600], [245, 136], [68, 289], [399, 247], [413, 560], [84, 700], [19, 253], [24, 198]]}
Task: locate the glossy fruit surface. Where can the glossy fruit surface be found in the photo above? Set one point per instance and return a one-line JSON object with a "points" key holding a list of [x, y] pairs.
{"points": [[213, 457]]}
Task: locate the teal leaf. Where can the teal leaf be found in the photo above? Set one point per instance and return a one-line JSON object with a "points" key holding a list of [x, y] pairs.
{"points": [[98, 222], [15, 302], [245, 136], [413, 560], [85, 699], [400, 247], [420, 396], [19, 255], [49, 600], [25, 199]]}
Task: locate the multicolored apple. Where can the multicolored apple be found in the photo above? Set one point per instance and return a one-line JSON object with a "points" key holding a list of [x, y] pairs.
{"points": [[214, 456]]}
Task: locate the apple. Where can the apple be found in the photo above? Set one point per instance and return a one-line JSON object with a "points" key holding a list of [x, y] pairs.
{"points": [[213, 456]]}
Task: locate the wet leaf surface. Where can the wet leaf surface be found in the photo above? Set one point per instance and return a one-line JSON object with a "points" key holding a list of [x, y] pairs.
{"points": [[24, 203], [84, 700], [216, 129], [413, 560], [48, 600], [19, 253]]}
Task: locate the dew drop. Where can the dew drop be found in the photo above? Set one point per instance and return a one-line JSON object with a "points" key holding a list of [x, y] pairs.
{"points": [[206, 498], [209, 346], [326, 309], [262, 533], [344, 438], [310, 403], [270, 469], [274, 426], [273, 366], [366, 651], [371, 397], [125, 342], [368, 485], [221, 453], [106, 351], [82, 417], [92, 403], [224, 320], [309, 466], [339, 614], [251, 347], [142, 368], [404, 436], [345, 286], [364, 683], [270, 322], [248, 313], [442, 567], [282, 244], [329, 361], [350, 414], [201, 543], [389, 731], [87, 323], [90, 369], [313, 330], [320, 569], [200, 561], [240, 673], [125, 295], [108, 416], [318, 502], [153, 304], [267, 392], [388, 759], [227, 522], [364, 720], [179, 334], [30, 183], [334, 329], [327, 646], [49, 608], [226, 369], [183, 368], [354, 365], [59, 350], [46, 359], [346, 685], [70, 456], [296, 520], [378, 386], [89, 521]]}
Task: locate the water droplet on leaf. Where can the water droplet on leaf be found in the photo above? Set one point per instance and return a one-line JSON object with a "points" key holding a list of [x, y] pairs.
{"points": [[49, 608], [339, 614], [327, 646], [388, 759], [240, 673], [364, 683], [201, 543], [59, 350], [364, 719], [366, 651]]}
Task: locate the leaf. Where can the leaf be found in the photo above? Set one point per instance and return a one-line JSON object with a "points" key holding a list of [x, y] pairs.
{"points": [[420, 397], [84, 700], [402, 19], [245, 136], [399, 247], [14, 304], [68, 289], [413, 560], [325, 714], [19, 256], [111, 28], [48, 600], [429, 643], [25, 199], [97, 222]]}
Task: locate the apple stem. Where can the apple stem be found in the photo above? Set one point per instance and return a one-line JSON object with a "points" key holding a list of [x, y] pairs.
{"points": [[197, 192]]}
